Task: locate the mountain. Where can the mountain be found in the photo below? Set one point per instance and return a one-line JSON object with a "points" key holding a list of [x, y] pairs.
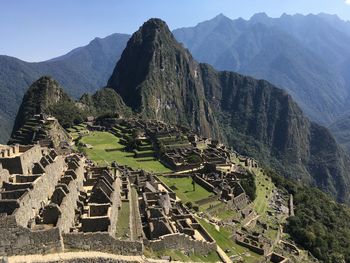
{"points": [[47, 97], [82, 70], [308, 56], [341, 130], [158, 78]]}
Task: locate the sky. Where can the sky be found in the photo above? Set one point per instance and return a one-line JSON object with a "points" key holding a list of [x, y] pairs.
{"points": [[37, 30]]}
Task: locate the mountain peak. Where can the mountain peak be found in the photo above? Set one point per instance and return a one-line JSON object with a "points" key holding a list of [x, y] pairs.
{"points": [[147, 50], [153, 27], [158, 78], [45, 82], [40, 96], [220, 18], [260, 18]]}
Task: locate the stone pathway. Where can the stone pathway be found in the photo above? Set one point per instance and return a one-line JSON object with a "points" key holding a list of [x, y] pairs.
{"points": [[74, 255], [223, 255]]}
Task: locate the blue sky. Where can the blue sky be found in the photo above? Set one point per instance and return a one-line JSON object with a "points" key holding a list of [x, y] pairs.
{"points": [[36, 30]]}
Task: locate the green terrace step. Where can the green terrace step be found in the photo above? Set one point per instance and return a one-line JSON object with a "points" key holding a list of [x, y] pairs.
{"points": [[176, 145], [145, 148]]}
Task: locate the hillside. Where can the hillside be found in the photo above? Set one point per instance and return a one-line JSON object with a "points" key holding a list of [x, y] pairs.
{"points": [[82, 70], [305, 55], [253, 116], [46, 97]]}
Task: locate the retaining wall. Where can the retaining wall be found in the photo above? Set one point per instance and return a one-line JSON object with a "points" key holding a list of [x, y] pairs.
{"points": [[42, 190], [18, 240], [102, 242], [182, 242]]}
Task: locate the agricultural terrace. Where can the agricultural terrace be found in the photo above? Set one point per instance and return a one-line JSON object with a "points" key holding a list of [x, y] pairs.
{"points": [[183, 188], [103, 148]]}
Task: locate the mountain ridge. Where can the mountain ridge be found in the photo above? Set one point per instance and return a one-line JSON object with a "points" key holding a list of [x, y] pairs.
{"points": [[229, 106], [81, 70]]}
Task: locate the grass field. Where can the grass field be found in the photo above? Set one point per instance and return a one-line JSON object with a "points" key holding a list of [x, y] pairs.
{"points": [[123, 230], [184, 189], [177, 255], [221, 211], [106, 149], [224, 240], [264, 188]]}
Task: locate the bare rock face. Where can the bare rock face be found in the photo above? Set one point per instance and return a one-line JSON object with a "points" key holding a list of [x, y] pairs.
{"points": [[158, 78]]}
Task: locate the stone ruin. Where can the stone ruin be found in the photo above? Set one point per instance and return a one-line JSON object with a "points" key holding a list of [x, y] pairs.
{"points": [[50, 202], [166, 223]]}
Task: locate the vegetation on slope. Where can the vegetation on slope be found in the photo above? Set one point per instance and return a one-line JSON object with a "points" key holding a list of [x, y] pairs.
{"points": [[320, 225], [84, 69]]}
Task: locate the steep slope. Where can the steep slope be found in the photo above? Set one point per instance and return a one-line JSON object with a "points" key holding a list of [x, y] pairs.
{"points": [[158, 78], [306, 55], [104, 101], [82, 70], [341, 130], [44, 96]]}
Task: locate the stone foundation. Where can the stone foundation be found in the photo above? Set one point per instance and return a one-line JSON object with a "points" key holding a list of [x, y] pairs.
{"points": [[101, 242], [182, 242]]}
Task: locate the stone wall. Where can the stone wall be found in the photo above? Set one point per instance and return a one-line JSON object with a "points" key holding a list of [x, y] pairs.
{"points": [[135, 217], [182, 242], [18, 240], [42, 190], [207, 186], [92, 260], [69, 203], [207, 200], [258, 250], [68, 206], [102, 242], [4, 175], [23, 163], [116, 203]]}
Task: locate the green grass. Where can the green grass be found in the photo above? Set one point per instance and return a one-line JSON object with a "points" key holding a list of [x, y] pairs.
{"points": [[223, 239], [123, 230], [264, 188], [184, 189], [222, 211], [106, 149], [177, 255]]}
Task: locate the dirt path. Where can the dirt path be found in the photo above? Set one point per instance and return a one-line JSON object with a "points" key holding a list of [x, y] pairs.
{"points": [[223, 255], [73, 255]]}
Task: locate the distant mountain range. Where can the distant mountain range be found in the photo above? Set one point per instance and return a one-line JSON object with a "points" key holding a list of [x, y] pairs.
{"points": [[308, 56], [157, 78], [84, 69]]}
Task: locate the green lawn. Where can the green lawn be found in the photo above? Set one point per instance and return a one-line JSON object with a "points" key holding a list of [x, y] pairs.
{"points": [[184, 189], [177, 255], [264, 188], [222, 211], [223, 239], [123, 230], [106, 149]]}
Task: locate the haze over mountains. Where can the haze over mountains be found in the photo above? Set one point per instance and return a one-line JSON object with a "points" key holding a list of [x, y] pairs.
{"points": [[306, 55], [82, 70]]}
